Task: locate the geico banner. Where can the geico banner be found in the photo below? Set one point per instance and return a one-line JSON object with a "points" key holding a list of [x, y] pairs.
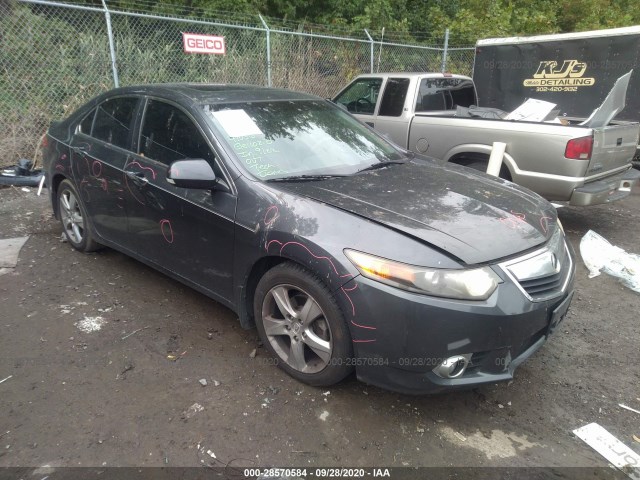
{"points": [[196, 43]]}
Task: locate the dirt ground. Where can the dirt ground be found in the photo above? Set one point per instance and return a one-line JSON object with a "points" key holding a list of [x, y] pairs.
{"points": [[128, 394]]}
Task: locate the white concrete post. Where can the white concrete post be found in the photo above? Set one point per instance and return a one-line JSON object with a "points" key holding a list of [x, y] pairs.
{"points": [[495, 159]]}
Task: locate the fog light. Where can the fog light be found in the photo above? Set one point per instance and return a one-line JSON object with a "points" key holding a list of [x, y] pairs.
{"points": [[452, 367]]}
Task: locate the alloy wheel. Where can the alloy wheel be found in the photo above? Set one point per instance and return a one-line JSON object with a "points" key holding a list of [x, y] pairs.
{"points": [[71, 215], [297, 329]]}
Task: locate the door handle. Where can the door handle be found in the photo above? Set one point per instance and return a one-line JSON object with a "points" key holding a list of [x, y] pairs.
{"points": [[138, 178], [80, 149]]}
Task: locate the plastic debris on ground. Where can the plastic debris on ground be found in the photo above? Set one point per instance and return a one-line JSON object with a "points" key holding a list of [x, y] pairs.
{"points": [[601, 256], [628, 408], [21, 175], [191, 411], [616, 452]]}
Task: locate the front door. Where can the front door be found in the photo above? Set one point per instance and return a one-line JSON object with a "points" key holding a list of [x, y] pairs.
{"points": [[189, 232], [360, 98]]}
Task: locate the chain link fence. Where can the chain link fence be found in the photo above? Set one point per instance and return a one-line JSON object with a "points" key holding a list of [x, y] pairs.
{"points": [[149, 49], [460, 60], [46, 72], [56, 56], [314, 64]]}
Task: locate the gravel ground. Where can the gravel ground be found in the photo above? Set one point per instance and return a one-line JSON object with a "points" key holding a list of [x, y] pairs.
{"points": [[106, 356]]}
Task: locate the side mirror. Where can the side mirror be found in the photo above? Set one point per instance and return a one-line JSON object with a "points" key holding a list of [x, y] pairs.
{"points": [[192, 173]]}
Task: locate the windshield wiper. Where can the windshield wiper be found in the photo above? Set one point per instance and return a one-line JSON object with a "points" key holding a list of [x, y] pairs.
{"points": [[375, 166], [302, 178]]}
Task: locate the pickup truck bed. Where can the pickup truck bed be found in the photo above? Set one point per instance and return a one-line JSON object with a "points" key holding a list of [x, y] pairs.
{"points": [[538, 155]]}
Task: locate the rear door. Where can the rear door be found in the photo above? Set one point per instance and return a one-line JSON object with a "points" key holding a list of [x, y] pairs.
{"points": [[395, 111], [99, 149], [189, 232]]}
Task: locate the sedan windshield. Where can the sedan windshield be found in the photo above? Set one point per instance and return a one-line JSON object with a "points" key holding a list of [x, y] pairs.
{"points": [[282, 139]]}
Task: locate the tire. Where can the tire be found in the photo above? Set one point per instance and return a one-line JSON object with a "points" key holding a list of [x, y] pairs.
{"points": [[311, 341], [74, 219]]}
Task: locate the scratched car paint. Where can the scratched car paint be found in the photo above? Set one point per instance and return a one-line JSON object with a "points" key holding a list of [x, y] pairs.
{"points": [[346, 252]]}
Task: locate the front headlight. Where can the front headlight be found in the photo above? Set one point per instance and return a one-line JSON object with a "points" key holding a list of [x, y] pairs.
{"points": [[473, 284]]}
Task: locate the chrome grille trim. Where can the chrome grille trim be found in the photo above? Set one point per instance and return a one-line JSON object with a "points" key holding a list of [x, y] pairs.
{"points": [[536, 283]]}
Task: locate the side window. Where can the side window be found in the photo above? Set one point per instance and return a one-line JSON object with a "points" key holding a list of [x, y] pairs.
{"points": [[87, 123], [395, 93], [168, 134], [361, 96], [113, 121], [444, 94]]}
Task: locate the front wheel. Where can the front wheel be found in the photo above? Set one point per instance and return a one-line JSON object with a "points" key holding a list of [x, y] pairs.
{"points": [[299, 322], [74, 218]]}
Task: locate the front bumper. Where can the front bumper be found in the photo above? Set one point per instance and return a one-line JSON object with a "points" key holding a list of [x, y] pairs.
{"points": [[605, 190], [400, 337]]}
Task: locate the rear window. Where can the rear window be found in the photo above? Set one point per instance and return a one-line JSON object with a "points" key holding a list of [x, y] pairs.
{"points": [[444, 94]]}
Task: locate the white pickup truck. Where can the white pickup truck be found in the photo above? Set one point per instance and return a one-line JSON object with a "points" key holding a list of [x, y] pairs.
{"points": [[582, 163]]}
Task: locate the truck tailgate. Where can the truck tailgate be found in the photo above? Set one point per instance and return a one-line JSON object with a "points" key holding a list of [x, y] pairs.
{"points": [[613, 147]]}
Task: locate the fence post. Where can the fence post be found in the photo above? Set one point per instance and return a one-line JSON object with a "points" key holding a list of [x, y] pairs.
{"points": [[444, 51], [268, 32], [371, 45], [380, 51], [112, 49]]}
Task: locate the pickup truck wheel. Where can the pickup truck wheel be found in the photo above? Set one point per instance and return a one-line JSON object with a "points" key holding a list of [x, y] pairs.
{"points": [[301, 324]]}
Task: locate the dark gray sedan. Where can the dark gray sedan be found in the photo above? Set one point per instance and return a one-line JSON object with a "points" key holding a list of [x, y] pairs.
{"points": [[345, 251]]}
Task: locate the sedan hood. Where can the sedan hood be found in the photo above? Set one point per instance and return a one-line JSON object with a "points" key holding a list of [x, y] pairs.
{"points": [[471, 216]]}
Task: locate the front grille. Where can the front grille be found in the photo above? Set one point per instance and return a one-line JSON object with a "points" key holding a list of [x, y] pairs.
{"points": [[542, 286], [543, 274]]}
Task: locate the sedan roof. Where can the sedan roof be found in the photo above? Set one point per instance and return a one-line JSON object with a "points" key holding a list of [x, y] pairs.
{"points": [[209, 93]]}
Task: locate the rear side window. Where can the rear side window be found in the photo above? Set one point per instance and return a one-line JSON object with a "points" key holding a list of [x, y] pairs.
{"points": [[361, 96], [444, 94], [113, 121], [87, 123], [395, 93], [168, 134]]}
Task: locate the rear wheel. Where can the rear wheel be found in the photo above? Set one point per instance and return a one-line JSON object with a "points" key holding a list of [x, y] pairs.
{"points": [[481, 165], [299, 322], [74, 218]]}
